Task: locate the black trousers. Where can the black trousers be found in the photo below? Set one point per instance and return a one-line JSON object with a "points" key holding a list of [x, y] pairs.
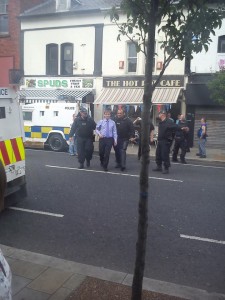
{"points": [[105, 146], [180, 144], [163, 153], [120, 152], [85, 149]]}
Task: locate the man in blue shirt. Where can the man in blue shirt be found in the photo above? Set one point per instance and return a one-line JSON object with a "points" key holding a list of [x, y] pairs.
{"points": [[106, 130]]}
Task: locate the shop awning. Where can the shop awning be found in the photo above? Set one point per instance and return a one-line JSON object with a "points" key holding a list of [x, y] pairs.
{"points": [[135, 96], [52, 94]]}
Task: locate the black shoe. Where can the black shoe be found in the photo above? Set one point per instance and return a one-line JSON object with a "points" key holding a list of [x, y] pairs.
{"points": [[198, 154], [165, 171], [174, 159], [123, 169], [202, 156], [105, 169], [183, 162], [117, 166], [81, 166], [88, 163], [157, 169]]}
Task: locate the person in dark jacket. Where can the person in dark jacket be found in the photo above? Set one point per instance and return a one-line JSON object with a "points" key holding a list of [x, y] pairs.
{"points": [[165, 132], [83, 127], [125, 132], [181, 140]]}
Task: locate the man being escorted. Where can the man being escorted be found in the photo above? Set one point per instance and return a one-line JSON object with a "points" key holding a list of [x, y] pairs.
{"points": [[83, 127], [106, 130], [181, 140], [125, 132], [165, 131]]}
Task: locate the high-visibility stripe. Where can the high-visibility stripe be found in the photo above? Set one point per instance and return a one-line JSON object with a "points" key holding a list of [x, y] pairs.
{"points": [[12, 151], [4, 153], [15, 149], [21, 147]]}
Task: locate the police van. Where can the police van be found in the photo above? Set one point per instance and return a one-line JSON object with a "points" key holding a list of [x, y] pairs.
{"points": [[48, 124], [12, 153]]}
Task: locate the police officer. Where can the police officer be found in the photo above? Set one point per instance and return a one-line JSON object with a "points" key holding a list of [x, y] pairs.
{"points": [[181, 140], [165, 131], [125, 132], [83, 127]]}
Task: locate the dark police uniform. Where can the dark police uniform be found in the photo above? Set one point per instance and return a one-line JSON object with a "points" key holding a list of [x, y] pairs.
{"points": [[181, 141], [83, 128], [125, 131], [165, 135]]}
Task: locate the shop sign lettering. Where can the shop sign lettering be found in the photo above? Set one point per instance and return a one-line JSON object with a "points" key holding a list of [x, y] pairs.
{"points": [[59, 83], [125, 82]]}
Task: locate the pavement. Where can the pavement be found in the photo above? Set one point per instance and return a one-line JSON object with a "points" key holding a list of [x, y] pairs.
{"points": [[39, 277]]}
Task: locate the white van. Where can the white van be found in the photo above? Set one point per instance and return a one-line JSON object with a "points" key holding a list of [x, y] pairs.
{"points": [[48, 124], [12, 152]]}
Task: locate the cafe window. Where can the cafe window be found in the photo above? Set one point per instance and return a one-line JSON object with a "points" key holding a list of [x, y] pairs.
{"points": [[52, 59], [67, 59], [131, 58], [4, 26], [221, 44]]}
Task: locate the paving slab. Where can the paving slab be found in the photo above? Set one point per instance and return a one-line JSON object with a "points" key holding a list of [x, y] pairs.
{"points": [[27, 269], [18, 283], [61, 294], [50, 280], [28, 294], [74, 281]]}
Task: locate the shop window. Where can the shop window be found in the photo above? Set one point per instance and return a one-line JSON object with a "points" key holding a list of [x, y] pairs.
{"points": [[221, 44], [131, 58], [52, 59], [4, 25], [67, 59], [27, 115]]}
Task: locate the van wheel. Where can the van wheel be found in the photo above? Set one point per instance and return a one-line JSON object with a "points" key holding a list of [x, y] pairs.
{"points": [[56, 142]]}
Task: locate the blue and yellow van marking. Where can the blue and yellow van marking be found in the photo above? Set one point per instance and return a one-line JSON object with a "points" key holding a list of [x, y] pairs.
{"points": [[41, 132]]}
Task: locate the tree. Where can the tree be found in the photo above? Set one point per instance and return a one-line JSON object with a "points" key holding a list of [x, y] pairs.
{"points": [[187, 26], [217, 87]]}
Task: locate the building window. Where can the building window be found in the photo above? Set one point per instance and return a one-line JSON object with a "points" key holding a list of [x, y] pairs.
{"points": [[221, 44], [67, 59], [131, 58], [4, 26], [42, 113], [56, 113], [52, 59]]}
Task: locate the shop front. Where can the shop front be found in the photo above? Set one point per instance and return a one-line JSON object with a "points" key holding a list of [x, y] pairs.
{"points": [[127, 92]]}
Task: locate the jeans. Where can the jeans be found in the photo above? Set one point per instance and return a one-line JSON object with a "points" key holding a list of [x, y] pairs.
{"points": [[73, 146], [201, 146]]}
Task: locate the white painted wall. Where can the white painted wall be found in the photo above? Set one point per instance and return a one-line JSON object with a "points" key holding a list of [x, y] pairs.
{"points": [[35, 48], [207, 62]]}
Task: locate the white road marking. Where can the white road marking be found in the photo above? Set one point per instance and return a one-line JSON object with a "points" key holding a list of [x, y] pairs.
{"points": [[36, 212], [201, 166], [201, 239], [113, 173]]}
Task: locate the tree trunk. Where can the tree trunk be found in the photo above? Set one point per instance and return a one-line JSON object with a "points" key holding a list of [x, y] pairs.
{"points": [[144, 172]]}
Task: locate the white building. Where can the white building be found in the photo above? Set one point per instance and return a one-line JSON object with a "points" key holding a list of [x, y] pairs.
{"points": [[75, 42]]}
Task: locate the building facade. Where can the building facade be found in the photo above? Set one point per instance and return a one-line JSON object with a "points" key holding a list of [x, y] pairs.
{"points": [[77, 42]]}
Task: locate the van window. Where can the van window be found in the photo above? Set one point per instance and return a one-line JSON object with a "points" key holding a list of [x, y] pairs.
{"points": [[2, 112], [27, 115]]}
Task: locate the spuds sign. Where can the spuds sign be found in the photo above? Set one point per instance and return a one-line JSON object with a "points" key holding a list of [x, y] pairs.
{"points": [[58, 83]]}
